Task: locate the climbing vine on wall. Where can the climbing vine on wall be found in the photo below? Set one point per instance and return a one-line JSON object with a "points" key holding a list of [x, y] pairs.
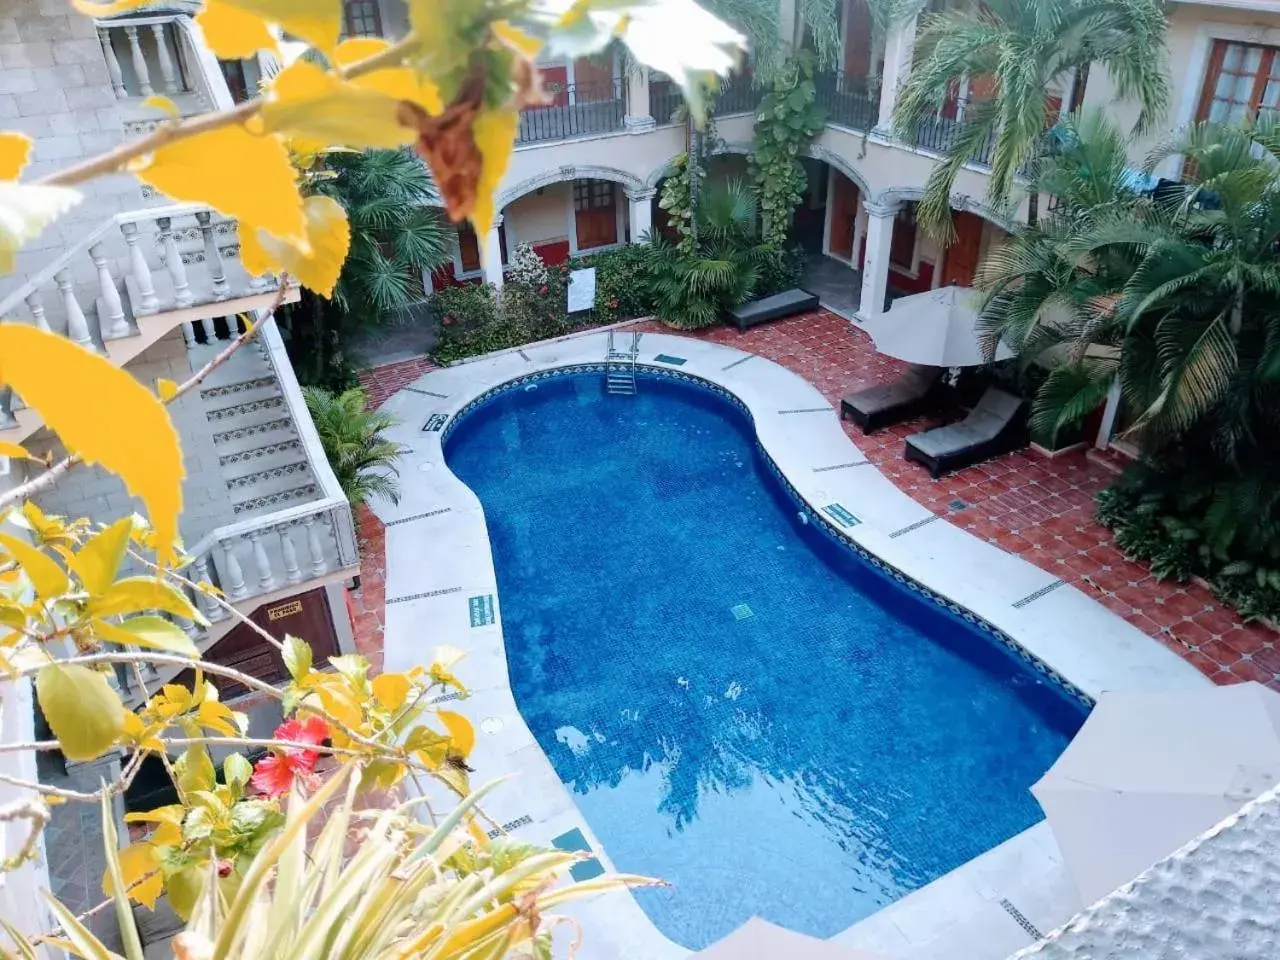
{"points": [[679, 197], [787, 120]]}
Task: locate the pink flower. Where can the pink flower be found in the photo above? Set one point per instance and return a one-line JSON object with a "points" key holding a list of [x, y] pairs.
{"points": [[543, 288], [273, 774]]}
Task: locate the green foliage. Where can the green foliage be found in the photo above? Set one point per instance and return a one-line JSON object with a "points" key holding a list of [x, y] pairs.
{"points": [[787, 120], [622, 290], [1025, 48], [780, 269], [1188, 519], [676, 199], [362, 459], [397, 235], [759, 22], [477, 319]]}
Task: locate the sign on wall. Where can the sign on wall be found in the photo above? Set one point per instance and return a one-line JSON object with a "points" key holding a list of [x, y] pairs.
{"points": [[582, 289]]}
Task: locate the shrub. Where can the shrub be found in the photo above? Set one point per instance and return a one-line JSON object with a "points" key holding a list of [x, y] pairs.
{"points": [[622, 286], [780, 269], [695, 291], [363, 460], [478, 319]]}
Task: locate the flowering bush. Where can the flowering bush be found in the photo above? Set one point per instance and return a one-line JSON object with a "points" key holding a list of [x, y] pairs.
{"points": [[526, 268]]}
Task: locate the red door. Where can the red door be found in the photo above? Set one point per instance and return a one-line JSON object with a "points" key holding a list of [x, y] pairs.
{"points": [[555, 82], [857, 40], [961, 260], [595, 212], [844, 207]]}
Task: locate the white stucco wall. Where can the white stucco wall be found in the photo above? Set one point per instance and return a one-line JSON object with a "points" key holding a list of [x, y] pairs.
{"points": [[544, 216], [1191, 31]]}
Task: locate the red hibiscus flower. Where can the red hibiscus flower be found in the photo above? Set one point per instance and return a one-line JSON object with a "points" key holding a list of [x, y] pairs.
{"points": [[273, 774]]}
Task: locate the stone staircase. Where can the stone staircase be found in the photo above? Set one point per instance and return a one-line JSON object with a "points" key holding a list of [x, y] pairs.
{"points": [[260, 456]]}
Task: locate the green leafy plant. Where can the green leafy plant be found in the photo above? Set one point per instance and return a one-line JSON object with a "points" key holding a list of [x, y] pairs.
{"points": [[362, 459], [787, 120], [397, 235], [622, 288]]}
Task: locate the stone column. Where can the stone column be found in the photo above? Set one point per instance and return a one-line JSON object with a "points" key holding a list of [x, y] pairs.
{"points": [[491, 255], [639, 116], [641, 213], [875, 268], [1110, 412], [899, 46]]}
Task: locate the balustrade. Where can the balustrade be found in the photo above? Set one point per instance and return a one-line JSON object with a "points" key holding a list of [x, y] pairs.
{"points": [[143, 55]]}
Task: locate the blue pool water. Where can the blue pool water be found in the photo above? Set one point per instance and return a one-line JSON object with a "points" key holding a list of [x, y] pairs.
{"points": [[741, 705]]}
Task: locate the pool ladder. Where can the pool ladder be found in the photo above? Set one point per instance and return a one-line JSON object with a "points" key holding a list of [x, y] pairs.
{"points": [[620, 366]]}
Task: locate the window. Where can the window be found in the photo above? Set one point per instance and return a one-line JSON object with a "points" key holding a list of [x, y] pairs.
{"points": [[237, 85], [363, 18], [1243, 79], [592, 194]]}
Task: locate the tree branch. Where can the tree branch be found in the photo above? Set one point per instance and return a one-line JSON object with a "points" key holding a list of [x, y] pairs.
{"points": [[171, 132]]}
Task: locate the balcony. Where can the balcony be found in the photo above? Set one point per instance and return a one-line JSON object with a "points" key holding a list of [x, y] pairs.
{"points": [[939, 133], [580, 110], [848, 100]]}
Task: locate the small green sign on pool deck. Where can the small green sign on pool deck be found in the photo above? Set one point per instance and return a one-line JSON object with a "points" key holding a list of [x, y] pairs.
{"points": [[481, 609], [841, 515]]}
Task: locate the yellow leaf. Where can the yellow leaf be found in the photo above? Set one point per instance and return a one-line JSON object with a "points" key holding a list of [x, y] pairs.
{"points": [[219, 718], [158, 102], [151, 632], [255, 260], [47, 578], [340, 704], [243, 176], [84, 713], [460, 730], [107, 8], [233, 33], [495, 136], [516, 39], [15, 151], [166, 835], [133, 594], [98, 560], [315, 110], [140, 872], [401, 83], [25, 210], [9, 449], [391, 689], [319, 22], [166, 388], [102, 413], [318, 265]]}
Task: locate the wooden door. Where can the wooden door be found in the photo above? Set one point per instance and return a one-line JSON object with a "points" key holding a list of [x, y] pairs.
{"points": [[307, 616], [857, 40], [961, 259], [593, 79], [555, 82], [844, 207], [595, 211]]}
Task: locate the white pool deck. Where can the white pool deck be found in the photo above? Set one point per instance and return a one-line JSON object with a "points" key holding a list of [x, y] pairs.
{"points": [[438, 556]]}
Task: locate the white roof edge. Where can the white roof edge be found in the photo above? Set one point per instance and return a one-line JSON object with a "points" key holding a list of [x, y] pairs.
{"points": [[1253, 6]]}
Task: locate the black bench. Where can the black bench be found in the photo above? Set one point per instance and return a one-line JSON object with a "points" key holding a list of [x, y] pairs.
{"points": [[784, 304]]}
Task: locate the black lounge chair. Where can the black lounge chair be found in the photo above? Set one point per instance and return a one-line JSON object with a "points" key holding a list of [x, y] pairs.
{"points": [[890, 403], [779, 305], [996, 425]]}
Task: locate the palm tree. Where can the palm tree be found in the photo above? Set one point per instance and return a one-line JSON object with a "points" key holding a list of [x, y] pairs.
{"points": [[397, 236], [1176, 299], [1024, 48], [362, 459]]}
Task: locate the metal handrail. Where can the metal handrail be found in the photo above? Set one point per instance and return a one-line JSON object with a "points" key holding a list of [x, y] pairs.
{"points": [[849, 100], [587, 108]]}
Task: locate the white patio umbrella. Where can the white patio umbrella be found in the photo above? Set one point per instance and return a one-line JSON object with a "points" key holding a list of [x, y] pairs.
{"points": [[1148, 773], [937, 329], [761, 940]]}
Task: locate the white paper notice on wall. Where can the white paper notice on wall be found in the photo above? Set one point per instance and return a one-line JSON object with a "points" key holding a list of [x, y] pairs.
{"points": [[582, 289]]}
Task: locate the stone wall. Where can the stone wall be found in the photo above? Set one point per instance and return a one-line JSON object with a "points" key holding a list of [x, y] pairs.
{"points": [[54, 88], [95, 493]]}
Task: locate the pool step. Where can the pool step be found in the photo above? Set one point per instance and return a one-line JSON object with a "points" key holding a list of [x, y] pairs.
{"points": [[618, 382]]}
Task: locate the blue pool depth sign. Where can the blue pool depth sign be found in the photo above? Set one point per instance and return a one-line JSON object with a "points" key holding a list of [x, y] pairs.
{"points": [[481, 610]]}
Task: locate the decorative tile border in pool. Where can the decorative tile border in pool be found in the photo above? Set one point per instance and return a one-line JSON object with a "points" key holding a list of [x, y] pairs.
{"points": [[1036, 595], [841, 466], [913, 526], [418, 516], [423, 596], [813, 516]]}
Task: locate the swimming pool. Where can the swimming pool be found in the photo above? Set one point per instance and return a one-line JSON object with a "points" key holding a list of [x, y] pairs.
{"points": [[740, 703]]}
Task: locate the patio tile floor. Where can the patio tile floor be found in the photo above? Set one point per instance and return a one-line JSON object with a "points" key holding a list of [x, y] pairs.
{"points": [[1038, 507]]}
